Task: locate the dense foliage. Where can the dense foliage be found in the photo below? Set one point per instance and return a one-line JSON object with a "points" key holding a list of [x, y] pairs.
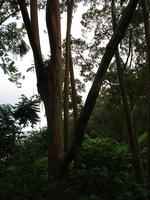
{"points": [[102, 170], [13, 120]]}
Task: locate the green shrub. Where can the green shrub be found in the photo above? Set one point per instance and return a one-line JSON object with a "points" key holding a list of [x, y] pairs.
{"points": [[103, 170]]}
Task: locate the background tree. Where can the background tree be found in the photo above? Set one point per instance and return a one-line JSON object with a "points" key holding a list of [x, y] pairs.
{"points": [[145, 10], [13, 119], [133, 141], [94, 91]]}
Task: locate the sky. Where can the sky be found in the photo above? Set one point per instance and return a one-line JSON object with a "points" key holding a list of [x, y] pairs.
{"points": [[9, 93]]}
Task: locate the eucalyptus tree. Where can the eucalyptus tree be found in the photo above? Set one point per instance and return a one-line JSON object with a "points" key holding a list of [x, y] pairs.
{"points": [[49, 77]]}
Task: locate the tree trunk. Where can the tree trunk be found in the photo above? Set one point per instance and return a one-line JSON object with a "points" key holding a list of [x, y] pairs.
{"points": [[94, 91], [74, 93], [145, 10], [133, 140], [53, 93], [49, 78], [66, 81], [34, 22]]}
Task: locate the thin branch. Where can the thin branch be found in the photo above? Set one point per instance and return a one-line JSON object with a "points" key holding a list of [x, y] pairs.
{"points": [[130, 49], [34, 22], [11, 14]]}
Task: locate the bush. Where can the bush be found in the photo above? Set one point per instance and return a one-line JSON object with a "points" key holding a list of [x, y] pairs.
{"points": [[103, 170]]}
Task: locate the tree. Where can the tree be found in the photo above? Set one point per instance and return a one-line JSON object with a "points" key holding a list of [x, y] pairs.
{"points": [[67, 69], [145, 10], [94, 91], [133, 141], [13, 119], [49, 77]]}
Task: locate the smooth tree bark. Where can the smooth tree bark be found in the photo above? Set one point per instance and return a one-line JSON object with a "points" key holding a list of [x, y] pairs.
{"points": [[70, 4], [100, 75], [53, 93], [34, 22], [145, 10], [49, 77], [133, 140]]}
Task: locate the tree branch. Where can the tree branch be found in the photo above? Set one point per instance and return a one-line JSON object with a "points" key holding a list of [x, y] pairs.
{"points": [[53, 25], [29, 28], [70, 4], [94, 91], [34, 23], [130, 49], [2, 21]]}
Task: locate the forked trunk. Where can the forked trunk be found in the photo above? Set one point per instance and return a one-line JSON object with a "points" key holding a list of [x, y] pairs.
{"points": [[49, 77]]}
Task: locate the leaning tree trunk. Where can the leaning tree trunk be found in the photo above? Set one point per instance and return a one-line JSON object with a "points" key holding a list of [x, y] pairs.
{"points": [[145, 10], [94, 91], [133, 140]]}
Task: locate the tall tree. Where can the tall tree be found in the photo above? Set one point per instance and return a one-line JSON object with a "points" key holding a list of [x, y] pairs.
{"points": [[67, 69], [49, 78], [12, 120], [95, 88], [133, 140]]}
